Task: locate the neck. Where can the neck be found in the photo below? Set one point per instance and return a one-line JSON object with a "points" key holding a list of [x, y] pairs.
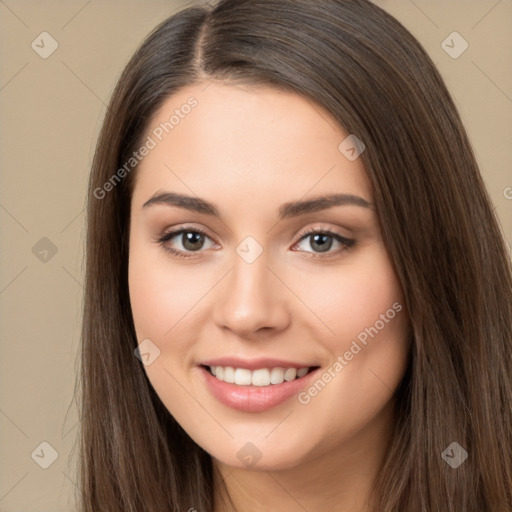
{"points": [[337, 479]]}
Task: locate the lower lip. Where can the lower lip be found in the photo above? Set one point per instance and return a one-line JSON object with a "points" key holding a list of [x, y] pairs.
{"points": [[254, 398]]}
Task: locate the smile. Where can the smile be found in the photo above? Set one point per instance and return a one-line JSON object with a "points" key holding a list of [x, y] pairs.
{"points": [[257, 386]]}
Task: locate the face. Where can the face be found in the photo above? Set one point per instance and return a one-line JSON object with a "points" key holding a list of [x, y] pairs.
{"points": [[256, 255]]}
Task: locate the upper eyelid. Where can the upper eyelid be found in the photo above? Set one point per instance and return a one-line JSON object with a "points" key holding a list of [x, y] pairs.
{"points": [[301, 233]]}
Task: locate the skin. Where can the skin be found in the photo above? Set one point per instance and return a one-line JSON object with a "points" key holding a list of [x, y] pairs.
{"points": [[248, 150]]}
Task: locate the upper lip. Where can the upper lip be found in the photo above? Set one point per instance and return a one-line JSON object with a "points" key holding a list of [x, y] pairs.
{"points": [[255, 364]]}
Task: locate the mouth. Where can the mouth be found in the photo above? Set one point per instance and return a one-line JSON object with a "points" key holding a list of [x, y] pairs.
{"points": [[258, 389]]}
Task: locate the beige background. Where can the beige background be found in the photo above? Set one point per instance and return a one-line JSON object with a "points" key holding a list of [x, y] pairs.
{"points": [[51, 112]]}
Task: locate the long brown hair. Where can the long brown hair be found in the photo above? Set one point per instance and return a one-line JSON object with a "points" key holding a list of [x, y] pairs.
{"points": [[364, 67]]}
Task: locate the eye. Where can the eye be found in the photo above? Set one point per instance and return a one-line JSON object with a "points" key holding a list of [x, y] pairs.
{"points": [[187, 240], [322, 241], [184, 242]]}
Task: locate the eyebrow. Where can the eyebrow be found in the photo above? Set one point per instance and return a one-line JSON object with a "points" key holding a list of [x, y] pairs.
{"points": [[287, 210]]}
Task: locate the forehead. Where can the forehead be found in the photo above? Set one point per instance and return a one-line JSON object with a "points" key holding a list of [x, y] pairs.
{"points": [[243, 142]]}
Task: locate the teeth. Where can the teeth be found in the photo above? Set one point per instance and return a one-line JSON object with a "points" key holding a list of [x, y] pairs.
{"points": [[260, 377], [277, 375], [290, 374], [242, 377], [302, 372], [229, 374]]}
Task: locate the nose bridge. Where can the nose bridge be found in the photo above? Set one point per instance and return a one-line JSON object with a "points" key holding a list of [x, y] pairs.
{"points": [[249, 277], [249, 281], [249, 300], [248, 287]]}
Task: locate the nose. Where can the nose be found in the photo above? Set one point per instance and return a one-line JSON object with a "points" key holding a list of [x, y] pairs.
{"points": [[251, 300]]}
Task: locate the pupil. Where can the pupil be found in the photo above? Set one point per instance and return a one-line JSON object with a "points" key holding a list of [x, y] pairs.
{"points": [[192, 241], [321, 241]]}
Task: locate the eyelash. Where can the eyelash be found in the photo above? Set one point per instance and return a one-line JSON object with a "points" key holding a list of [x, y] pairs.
{"points": [[347, 243]]}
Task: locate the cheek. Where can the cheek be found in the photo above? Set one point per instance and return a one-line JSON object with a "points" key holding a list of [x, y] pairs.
{"points": [[161, 298], [354, 296], [160, 293], [361, 304]]}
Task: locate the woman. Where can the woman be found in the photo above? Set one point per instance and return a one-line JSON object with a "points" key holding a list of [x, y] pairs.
{"points": [[288, 229]]}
